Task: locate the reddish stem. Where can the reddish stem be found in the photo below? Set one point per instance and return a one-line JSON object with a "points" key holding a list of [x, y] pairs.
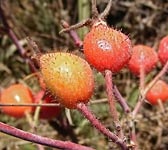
{"points": [[110, 96], [73, 34], [100, 127], [66, 145], [148, 87], [15, 40], [120, 99]]}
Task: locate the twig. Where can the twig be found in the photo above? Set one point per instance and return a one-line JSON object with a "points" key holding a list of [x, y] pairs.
{"points": [[77, 26], [95, 12], [66, 145], [15, 40], [73, 34], [120, 99], [95, 122], [29, 104], [139, 104], [148, 87], [106, 11]]}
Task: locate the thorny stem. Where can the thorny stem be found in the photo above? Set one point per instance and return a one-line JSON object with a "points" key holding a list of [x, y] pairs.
{"points": [[147, 88], [120, 99], [100, 127], [66, 145], [110, 96], [73, 34], [15, 40], [95, 12], [106, 11]]}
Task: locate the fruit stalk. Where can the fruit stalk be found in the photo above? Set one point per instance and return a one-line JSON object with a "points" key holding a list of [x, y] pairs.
{"points": [[120, 99], [110, 96], [66, 145], [100, 127], [148, 87]]}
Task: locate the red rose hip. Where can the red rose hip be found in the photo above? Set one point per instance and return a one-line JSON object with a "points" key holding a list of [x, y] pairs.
{"points": [[158, 92], [106, 48], [163, 50], [144, 56]]}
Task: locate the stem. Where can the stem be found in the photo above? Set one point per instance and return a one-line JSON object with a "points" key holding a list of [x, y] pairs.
{"points": [[160, 74], [120, 99], [107, 10], [133, 135], [110, 96], [7, 129], [73, 35], [148, 87], [142, 79], [77, 26], [139, 104], [95, 122], [15, 40], [95, 12], [161, 105], [29, 104]]}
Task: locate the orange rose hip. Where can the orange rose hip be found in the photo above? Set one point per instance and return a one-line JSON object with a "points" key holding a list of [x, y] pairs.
{"points": [[16, 94], [67, 76]]}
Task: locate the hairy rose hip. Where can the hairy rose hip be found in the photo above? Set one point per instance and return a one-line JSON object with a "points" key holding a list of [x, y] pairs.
{"points": [[106, 48], [16, 94], [158, 92], [163, 50], [68, 77], [142, 55]]}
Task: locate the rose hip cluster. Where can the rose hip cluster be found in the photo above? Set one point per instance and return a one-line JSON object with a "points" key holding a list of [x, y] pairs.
{"points": [[70, 79]]}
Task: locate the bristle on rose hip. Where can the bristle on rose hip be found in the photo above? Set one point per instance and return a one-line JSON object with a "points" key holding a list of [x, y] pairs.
{"points": [[144, 56], [106, 48], [68, 77], [163, 50]]}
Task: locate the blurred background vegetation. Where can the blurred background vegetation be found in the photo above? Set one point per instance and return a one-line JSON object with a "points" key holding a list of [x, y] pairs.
{"points": [[145, 21]]}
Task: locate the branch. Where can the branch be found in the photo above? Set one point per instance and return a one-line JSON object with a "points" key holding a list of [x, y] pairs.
{"points": [[95, 122], [95, 12], [39, 139], [15, 40], [73, 34], [106, 11]]}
